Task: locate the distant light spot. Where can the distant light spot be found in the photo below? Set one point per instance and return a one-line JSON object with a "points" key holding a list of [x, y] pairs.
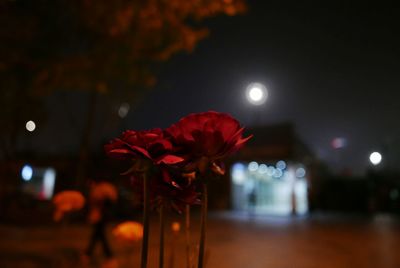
{"points": [[123, 109], [30, 126], [375, 158], [238, 173], [253, 166], [277, 173], [281, 165], [26, 173], [262, 169], [338, 143], [300, 172]]}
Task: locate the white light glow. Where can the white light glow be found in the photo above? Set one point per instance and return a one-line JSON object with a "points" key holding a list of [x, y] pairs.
{"points": [[256, 93], [253, 166], [26, 173], [281, 165], [30, 126], [270, 171], [49, 179], [375, 158], [262, 169], [300, 172], [278, 173], [123, 109], [301, 197], [238, 173]]}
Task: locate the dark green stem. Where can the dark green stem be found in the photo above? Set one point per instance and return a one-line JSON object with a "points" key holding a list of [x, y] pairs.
{"points": [[145, 241], [203, 226], [162, 223]]}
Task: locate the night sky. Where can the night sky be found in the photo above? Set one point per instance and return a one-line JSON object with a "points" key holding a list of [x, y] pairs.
{"points": [[333, 72]]}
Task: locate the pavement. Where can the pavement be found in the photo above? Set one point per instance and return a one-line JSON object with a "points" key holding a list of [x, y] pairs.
{"points": [[234, 240]]}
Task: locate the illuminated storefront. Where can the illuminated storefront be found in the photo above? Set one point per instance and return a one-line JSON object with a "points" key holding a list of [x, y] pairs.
{"points": [[278, 189], [277, 182]]}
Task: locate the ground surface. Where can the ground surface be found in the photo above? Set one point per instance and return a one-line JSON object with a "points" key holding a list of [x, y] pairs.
{"points": [[234, 241]]}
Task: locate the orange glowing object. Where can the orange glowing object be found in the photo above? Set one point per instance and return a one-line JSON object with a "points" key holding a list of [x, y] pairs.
{"points": [[67, 201], [129, 231], [176, 226], [103, 190]]}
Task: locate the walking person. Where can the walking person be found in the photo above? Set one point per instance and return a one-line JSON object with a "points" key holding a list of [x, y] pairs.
{"points": [[101, 198]]}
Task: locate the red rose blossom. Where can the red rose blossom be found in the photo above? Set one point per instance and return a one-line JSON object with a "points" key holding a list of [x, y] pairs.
{"points": [[148, 144], [206, 138]]}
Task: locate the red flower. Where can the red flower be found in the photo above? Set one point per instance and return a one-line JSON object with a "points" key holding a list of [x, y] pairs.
{"points": [[206, 138], [136, 145]]}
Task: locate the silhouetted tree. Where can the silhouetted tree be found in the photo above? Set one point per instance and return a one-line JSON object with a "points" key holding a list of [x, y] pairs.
{"points": [[102, 46]]}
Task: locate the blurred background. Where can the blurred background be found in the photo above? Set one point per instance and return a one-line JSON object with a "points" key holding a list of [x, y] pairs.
{"points": [[317, 86]]}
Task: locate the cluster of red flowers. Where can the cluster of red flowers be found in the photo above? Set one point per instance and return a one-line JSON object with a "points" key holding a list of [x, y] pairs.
{"points": [[179, 157]]}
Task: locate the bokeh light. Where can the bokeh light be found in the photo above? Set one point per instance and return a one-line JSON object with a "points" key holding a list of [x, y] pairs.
{"points": [[253, 166], [128, 231], [238, 173], [30, 126], [375, 158], [300, 172], [123, 110], [175, 226], [338, 143], [281, 165], [26, 173]]}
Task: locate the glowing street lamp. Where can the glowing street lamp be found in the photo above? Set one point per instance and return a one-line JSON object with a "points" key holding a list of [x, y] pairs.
{"points": [[256, 93], [375, 158]]}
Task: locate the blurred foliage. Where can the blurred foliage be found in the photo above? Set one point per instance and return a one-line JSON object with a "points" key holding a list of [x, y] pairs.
{"points": [[90, 45], [100, 46]]}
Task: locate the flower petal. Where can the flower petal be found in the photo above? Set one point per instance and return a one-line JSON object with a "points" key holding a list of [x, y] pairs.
{"points": [[170, 159]]}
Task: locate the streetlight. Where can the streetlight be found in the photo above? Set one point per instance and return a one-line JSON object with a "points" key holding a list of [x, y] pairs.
{"points": [[375, 158], [256, 93]]}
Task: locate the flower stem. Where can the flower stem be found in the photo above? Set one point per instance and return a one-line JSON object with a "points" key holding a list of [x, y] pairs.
{"points": [[203, 226], [187, 230], [145, 241], [172, 253], [161, 248]]}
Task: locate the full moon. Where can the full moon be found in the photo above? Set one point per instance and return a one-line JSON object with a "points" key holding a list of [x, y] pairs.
{"points": [[256, 94]]}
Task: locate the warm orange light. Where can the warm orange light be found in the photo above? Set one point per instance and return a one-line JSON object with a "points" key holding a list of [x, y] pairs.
{"points": [[102, 191], [129, 231], [67, 201], [230, 10], [176, 226]]}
